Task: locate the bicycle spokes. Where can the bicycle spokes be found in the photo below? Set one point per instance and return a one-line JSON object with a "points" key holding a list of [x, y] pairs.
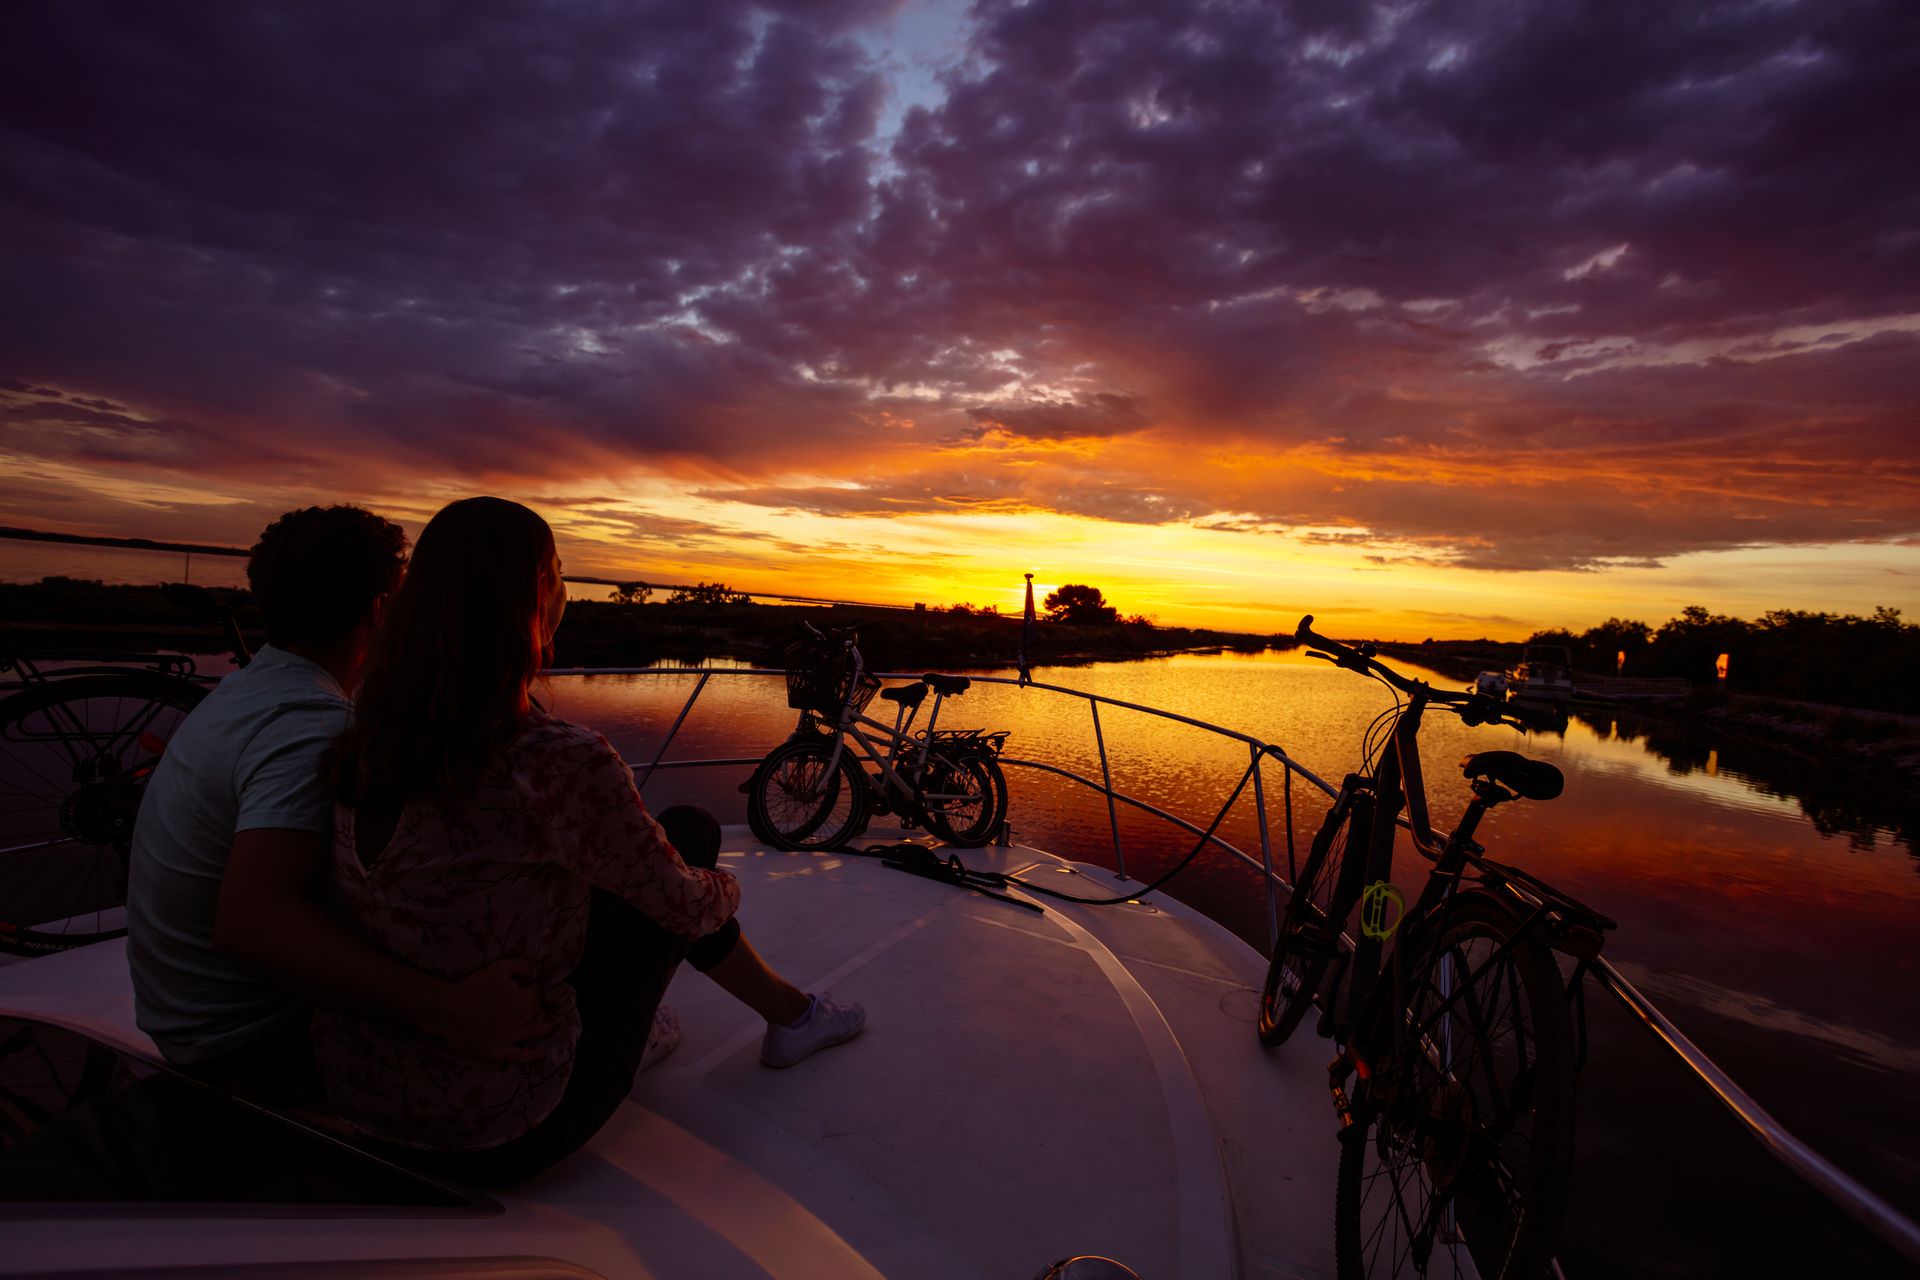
{"points": [[76, 754], [1466, 1116]]}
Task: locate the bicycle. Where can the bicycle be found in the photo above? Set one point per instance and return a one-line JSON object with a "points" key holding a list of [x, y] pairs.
{"points": [[812, 792], [1456, 1050], [77, 745]]}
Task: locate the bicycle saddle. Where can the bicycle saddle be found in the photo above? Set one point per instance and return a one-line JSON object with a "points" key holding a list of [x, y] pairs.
{"points": [[907, 695], [948, 684], [1528, 779]]}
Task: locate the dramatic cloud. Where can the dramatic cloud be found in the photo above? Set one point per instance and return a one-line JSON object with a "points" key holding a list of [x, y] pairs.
{"points": [[1097, 415], [1556, 285]]}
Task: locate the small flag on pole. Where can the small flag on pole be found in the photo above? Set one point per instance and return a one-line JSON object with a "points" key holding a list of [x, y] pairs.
{"points": [[1026, 638]]}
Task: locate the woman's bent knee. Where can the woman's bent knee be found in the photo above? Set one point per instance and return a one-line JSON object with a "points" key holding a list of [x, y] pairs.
{"points": [[694, 832], [710, 950]]}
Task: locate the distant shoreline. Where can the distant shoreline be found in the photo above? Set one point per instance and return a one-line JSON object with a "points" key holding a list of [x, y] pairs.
{"points": [[71, 615], [86, 617]]}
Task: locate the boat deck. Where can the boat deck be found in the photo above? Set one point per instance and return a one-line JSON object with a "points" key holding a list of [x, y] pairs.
{"points": [[1030, 1087]]}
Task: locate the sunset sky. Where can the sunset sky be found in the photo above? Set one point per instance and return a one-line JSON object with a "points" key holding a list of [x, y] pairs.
{"points": [[1431, 319]]}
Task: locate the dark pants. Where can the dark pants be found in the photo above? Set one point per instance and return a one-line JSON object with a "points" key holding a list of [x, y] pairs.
{"points": [[276, 1071], [629, 961]]}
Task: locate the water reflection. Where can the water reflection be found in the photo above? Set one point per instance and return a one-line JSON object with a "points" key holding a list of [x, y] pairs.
{"points": [[1836, 799]]}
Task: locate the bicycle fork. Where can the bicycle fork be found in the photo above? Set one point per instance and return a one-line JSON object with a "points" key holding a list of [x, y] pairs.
{"points": [[1338, 1070], [1348, 1061]]}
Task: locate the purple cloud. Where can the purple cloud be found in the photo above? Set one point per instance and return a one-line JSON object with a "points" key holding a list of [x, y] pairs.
{"points": [[1663, 259]]}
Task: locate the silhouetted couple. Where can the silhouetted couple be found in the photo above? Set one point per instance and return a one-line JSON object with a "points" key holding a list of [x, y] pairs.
{"points": [[440, 909]]}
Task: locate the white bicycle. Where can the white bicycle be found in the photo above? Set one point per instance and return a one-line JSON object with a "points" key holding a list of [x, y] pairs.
{"points": [[813, 792]]}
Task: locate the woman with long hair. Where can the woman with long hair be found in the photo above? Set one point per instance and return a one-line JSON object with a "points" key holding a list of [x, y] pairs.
{"points": [[471, 826]]}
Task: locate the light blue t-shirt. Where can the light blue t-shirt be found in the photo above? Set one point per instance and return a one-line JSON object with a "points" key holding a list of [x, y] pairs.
{"points": [[247, 758]]}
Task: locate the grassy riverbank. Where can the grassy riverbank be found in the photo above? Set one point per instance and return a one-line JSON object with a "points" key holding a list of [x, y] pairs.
{"points": [[62, 614], [890, 639]]}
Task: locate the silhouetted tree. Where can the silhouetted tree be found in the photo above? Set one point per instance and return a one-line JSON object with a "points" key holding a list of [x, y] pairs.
{"points": [[1079, 604], [1690, 644], [631, 593], [708, 593], [1560, 636], [1614, 637], [1598, 649]]}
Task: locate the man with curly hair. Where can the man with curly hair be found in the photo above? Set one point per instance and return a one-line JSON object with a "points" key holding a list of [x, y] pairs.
{"points": [[229, 942]]}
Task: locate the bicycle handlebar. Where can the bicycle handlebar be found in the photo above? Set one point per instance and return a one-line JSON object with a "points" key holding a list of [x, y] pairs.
{"points": [[847, 636], [1473, 708], [1360, 659]]}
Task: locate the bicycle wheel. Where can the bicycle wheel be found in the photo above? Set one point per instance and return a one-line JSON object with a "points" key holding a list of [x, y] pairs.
{"points": [[798, 802], [756, 814], [1458, 1161], [1310, 928], [997, 778], [75, 755], [962, 798]]}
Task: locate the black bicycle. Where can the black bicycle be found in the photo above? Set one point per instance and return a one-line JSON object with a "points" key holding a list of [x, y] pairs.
{"points": [[80, 735], [811, 791], [1457, 1036]]}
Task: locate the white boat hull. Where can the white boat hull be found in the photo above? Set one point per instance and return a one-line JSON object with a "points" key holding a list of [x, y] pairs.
{"points": [[1031, 1087]]}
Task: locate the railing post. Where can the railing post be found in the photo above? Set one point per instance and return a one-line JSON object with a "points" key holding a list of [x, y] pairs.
{"points": [[1266, 852], [678, 720], [1106, 778]]}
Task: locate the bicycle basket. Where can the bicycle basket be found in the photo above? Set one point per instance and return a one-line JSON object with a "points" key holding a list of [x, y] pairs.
{"points": [[818, 676]]}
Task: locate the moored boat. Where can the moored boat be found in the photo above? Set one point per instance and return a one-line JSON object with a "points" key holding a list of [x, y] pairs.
{"points": [[1545, 674]]}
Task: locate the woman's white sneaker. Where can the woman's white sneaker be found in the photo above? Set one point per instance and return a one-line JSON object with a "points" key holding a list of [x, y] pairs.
{"points": [[663, 1038], [824, 1025]]}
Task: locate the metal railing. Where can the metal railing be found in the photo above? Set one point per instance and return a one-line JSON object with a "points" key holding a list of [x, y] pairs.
{"points": [[1844, 1191]]}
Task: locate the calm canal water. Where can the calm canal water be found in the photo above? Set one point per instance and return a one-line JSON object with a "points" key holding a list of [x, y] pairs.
{"points": [[31, 561], [1767, 906]]}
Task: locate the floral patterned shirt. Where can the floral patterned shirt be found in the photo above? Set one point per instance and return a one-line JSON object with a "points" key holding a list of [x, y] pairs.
{"points": [[505, 871]]}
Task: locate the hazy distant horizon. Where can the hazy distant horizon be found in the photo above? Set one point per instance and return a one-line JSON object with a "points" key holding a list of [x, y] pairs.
{"points": [[28, 561]]}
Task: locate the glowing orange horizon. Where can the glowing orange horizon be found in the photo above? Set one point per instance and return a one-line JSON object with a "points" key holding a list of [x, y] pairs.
{"points": [[1248, 538]]}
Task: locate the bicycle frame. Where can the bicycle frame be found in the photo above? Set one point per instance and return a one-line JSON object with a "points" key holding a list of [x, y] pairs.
{"points": [[1397, 781]]}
